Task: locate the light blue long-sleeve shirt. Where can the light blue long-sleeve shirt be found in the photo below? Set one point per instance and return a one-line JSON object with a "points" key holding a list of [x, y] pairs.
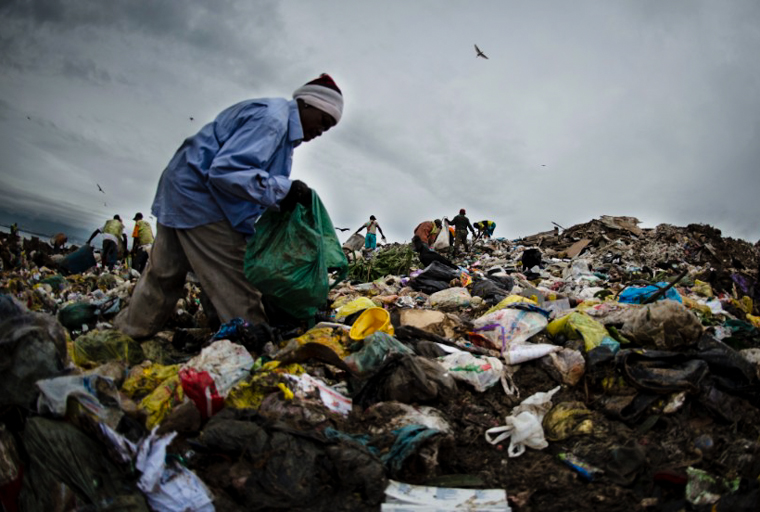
{"points": [[234, 168]]}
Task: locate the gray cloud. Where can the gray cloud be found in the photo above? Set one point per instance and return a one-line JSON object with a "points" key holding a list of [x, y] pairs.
{"points": [[630, 108]]}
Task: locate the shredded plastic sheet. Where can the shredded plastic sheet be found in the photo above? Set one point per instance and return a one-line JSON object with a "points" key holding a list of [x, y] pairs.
{"points": [[406, 497], [169, 487], [331, 398]]}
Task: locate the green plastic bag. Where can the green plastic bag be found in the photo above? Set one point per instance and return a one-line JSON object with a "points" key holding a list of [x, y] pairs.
{"points": [[289, 257]]}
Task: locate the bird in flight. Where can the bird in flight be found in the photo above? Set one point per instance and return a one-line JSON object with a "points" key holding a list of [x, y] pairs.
{"points": [[342, 229], [480, 53], [192, 119], [101, 189]]}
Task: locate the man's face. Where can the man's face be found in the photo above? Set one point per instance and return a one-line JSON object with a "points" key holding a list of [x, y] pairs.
{"points": [[315, 122]]}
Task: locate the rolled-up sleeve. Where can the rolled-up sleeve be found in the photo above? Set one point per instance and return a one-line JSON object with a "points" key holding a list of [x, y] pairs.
{"points": [[241, 167]]}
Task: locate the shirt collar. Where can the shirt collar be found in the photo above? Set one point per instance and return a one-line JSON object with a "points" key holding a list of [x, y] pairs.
{"points": [[295, 129]]}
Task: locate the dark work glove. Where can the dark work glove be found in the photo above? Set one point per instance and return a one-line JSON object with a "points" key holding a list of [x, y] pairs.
{"points": [[299, 193]]}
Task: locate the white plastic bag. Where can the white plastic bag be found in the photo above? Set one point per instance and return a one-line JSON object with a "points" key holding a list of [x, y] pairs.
{"points": [[227, 363], [509, 326], [482, 372], [451, 298], [442, 240], [524, 426]]}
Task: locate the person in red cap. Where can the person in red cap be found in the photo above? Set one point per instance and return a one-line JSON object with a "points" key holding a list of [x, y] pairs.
{"points": [[461, 224], [209, 197]]}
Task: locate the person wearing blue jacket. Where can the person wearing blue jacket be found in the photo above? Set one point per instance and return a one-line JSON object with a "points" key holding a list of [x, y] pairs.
{"points": [[209, 197]]}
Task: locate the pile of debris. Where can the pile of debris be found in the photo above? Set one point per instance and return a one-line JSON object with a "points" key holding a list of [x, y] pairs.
{"points": [[604, 367]]}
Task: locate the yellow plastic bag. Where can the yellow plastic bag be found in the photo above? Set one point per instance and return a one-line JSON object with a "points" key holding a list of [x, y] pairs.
{"points": [[333, 337], [98, 347], [352, 307], [249, 394], [745, 304], [754, 320], [162, 400], [696, 306], [510, 300], [146, 377], [579, 325], [702, 288], [568, 419]]}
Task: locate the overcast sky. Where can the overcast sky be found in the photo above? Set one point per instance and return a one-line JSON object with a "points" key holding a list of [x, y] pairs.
{"points": [[645, 108]]}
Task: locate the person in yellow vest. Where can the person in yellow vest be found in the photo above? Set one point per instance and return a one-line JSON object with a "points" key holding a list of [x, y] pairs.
{"points": [[113, 236], [142, 241], [485, 228]]}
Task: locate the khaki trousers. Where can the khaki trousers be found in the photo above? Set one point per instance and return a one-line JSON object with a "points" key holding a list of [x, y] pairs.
{"points": [[214, 253]]}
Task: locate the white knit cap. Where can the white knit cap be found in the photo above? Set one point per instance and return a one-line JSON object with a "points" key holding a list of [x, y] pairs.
{"points": [[322, 93]]}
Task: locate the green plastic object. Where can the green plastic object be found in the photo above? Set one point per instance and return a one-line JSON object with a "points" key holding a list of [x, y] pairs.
{"points": [[290, 256]]}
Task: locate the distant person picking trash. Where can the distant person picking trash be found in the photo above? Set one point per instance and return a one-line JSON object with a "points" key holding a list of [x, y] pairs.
{"points": [[216, 186], [372, 227], [461, 224], [485, 228], [113, 236]]}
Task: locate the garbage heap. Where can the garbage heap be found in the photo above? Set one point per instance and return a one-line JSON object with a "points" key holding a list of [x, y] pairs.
{"points": [[604, 367]]}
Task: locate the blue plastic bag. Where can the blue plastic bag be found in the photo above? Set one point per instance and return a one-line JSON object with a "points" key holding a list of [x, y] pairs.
{"points": [[637, 295], [290, 256]]}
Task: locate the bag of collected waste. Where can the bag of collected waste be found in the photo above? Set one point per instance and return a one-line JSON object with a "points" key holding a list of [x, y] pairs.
{"points": [[289, 257], [524, 424], [665, 324], [78, 261], [579, 325], [513, 325], [61, 453], [32, 347], [354, 243], [442, 241], [286, 468], [435, 277], [451, 299], [481, 372], [375, 349], [96, 347], [407, 379]]}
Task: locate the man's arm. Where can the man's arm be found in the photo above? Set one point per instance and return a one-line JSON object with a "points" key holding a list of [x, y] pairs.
{"points": [[380, 230], [93, 235]]}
